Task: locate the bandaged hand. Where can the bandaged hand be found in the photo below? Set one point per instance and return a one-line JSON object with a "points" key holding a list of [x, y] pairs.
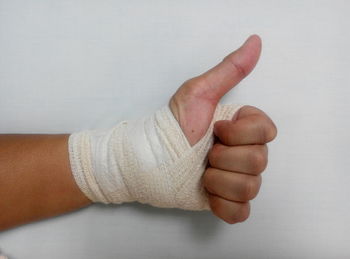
{"points": [[162, 159]]}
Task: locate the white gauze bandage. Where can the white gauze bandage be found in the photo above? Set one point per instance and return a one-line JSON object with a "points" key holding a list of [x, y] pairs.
{"points": [[147, 160]]}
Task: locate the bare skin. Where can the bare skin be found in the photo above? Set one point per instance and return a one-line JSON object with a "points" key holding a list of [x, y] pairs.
{"points": [[240, 156], [36, 181]]}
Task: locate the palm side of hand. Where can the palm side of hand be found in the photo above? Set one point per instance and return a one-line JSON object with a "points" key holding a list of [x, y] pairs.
{"points": [[195, 101]]}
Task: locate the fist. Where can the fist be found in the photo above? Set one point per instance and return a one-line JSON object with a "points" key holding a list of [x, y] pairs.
{"points": [[236, 161]]}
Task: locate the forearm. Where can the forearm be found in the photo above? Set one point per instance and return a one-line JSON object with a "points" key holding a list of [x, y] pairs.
{"points": [[35, 179]]}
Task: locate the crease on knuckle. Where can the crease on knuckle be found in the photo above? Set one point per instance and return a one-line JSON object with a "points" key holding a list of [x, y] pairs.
{"points": [[240, 215], [241, 71], [214, 155], [262, 132], [227, 135], [247, 190], [208, 180], [267, 130], [243, 213], [271, 132], [258, 160]]}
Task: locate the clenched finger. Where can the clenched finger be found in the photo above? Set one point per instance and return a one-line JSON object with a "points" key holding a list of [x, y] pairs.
{"points": [[249, 159], [252, 126], [230, 211], [231, 186]]}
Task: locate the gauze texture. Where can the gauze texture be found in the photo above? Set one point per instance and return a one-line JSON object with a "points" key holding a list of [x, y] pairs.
{"points": [[148, 160]]}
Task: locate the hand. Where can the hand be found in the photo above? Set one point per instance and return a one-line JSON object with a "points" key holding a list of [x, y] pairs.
{"points": [[236, 163]]}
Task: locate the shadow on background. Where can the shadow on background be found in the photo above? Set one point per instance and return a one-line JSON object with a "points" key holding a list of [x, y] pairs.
{"points": [[203, 224]]}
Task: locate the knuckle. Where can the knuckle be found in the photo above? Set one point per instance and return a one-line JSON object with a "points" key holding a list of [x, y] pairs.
{"points": [[232, 219], [271, 131], [240, 70], [258, 159], [207, 177], [244, 212], [267, 129], [250, 110], [191, 82], [254, 112], [223, 131], [209, 180], [188, 90], [195, 87], [250, 188], [246, 191], [214, 154], [190, 85], [240, 215], [224, 137]]}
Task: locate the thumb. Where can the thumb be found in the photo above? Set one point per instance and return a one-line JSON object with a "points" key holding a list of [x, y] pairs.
{"points": [[231, 70], [194, 103]]}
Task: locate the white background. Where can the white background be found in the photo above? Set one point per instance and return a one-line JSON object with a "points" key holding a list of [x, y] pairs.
{"points": [[71, 65]]}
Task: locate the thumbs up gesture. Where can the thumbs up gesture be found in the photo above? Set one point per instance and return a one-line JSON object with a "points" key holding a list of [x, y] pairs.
{"points": [[239, 155]]}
